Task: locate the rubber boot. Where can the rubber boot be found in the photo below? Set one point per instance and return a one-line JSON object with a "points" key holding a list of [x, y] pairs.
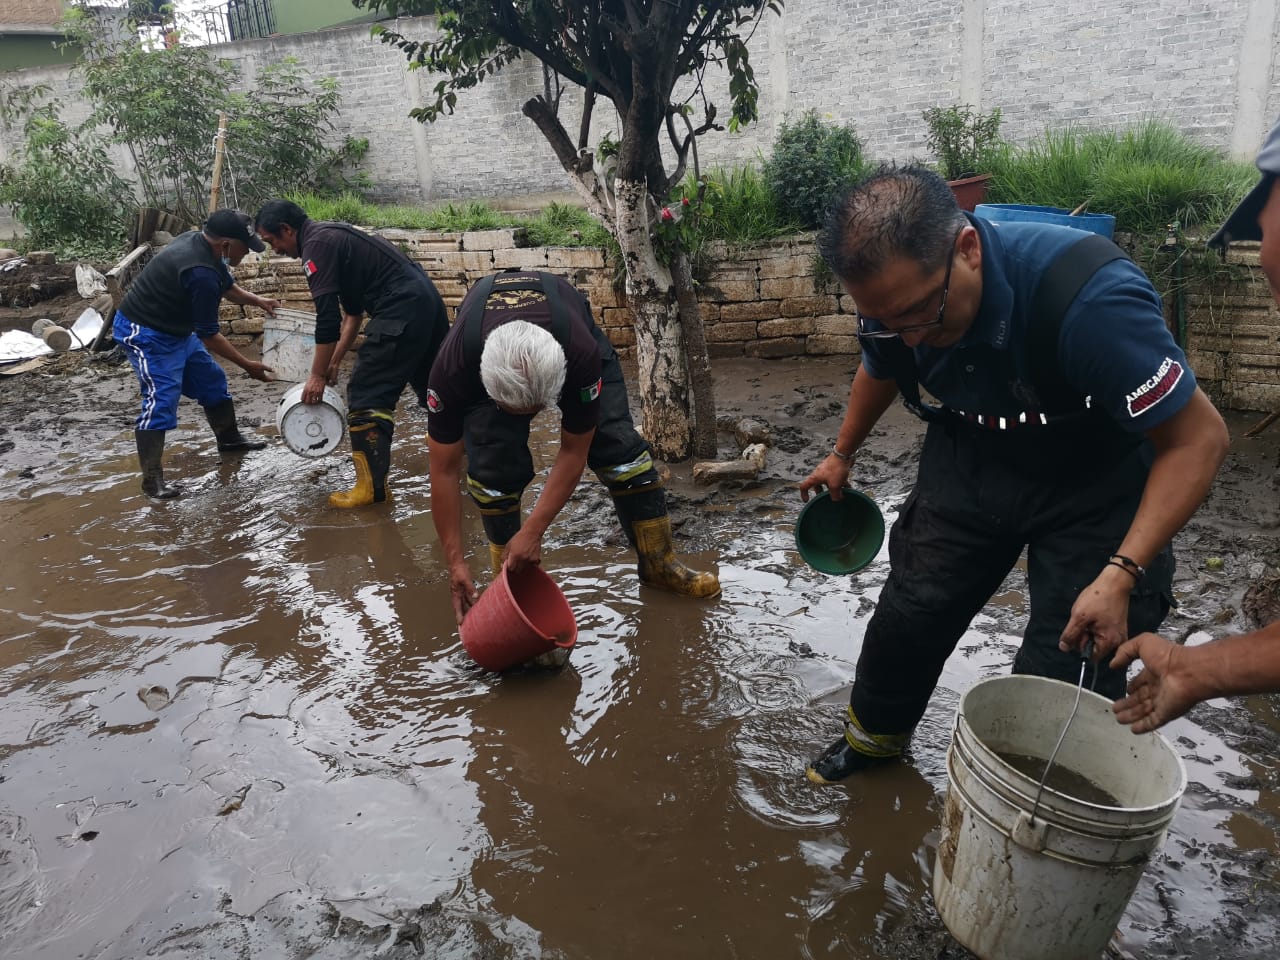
{"points": [[856, 750], [644, 518], [222, 417], [150, 453], [371, 454]]}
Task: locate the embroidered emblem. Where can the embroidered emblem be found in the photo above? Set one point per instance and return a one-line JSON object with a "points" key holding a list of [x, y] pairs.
{"points": [[587, 394], [1155, 389], [434, 403]]}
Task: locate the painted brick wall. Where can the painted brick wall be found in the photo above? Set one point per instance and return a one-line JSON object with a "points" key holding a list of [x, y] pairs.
{"points": [[875, 63]]}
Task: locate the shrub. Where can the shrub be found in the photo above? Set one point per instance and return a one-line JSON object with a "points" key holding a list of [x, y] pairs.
{"points": [[962, 139], [64, 189], [810, 161]]}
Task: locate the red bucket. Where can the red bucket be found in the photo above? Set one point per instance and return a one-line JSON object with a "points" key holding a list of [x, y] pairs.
{"points": [[518, 617]]}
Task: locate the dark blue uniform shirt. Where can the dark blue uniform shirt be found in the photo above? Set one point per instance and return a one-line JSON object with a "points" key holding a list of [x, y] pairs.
{"points": [[1114, 347]]}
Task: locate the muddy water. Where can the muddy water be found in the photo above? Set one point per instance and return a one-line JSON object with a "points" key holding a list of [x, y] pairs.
{"points": [[242, 724]]}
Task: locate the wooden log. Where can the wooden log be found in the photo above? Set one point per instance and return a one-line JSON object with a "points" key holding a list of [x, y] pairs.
{"points": [[746, 467]]}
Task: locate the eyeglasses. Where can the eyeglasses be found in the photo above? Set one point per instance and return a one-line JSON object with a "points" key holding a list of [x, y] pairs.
{"points": [[885, 333]]}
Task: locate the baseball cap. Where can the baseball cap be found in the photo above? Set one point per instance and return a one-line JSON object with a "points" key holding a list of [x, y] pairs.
{"points": [[234, 225], [1243, 222]]}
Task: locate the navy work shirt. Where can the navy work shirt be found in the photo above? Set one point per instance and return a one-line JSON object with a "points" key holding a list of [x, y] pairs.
{"points": [[1114, 346]]}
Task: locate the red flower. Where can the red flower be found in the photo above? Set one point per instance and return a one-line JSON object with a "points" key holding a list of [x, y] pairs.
{"points": [[684, 201], [667, 215]]}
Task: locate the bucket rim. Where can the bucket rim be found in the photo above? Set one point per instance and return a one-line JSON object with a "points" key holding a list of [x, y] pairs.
{"points": [[536, 571], [1167, 806]]}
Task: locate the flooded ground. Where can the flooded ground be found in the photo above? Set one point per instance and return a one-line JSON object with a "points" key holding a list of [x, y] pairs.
{"points": [[241, 724]]}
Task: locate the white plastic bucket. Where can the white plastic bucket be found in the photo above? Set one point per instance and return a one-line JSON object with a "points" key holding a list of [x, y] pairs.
{"points": [[1010, 887], [289, 343], [312, 429]]}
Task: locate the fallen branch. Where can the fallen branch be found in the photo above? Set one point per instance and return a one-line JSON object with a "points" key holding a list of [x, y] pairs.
{"points": [[746, 467]]}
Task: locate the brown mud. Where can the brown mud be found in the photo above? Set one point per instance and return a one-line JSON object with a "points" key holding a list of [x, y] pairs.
{"points": [[241, 724]]}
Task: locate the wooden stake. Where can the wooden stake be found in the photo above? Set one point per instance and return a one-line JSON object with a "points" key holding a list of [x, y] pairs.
{"points": [[220, 143]]}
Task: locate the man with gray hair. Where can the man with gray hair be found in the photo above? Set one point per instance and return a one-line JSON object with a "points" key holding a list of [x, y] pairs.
{"points": [[523, 341]]}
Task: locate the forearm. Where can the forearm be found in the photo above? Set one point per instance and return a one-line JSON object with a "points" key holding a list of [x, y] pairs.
{"points": [[221, 346], [350, 329], [321, 359], [566, 471], [1243, 664], [239, 295], [869, 398], [1189, 450], [446, 499]]}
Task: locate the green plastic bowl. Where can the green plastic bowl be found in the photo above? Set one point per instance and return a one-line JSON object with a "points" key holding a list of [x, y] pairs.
{"points": [[840, 536]]}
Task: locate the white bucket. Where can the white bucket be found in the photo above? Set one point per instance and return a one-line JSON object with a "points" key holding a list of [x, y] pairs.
{"points": [[289, 343], [1011, 888], [312, 429]]}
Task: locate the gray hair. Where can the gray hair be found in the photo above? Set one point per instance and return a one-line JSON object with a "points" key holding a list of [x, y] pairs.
{"points": [[522, 366], [896, 212]]}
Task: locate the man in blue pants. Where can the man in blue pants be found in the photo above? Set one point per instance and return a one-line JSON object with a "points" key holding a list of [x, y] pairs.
{"points": [[168, 324]]}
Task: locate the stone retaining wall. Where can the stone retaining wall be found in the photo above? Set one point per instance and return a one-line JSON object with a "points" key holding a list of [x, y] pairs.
{"points": [[774, 300], [759, 302]]}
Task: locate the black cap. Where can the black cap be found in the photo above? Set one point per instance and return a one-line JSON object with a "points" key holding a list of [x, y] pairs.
{"points": [[1243, 222], [234, 225]]}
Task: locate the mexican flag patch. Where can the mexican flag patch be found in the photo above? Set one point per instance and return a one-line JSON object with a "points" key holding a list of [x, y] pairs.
{"points": [[587, 394], [309, 267]]}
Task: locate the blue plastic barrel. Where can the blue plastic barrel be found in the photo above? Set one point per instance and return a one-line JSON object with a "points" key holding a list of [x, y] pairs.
{"points": [[1103, 224]]}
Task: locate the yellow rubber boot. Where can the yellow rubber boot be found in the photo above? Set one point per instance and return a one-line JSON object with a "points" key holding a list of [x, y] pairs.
{"points": [[659, 566], [370, 452], [495, 557]]}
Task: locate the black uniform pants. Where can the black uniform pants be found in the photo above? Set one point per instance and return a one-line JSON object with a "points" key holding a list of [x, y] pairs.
{"points": [[399, 347], [499, 465], [980, 497]]}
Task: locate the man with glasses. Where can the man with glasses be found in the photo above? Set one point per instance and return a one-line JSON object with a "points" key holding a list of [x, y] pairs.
{"points": [[1063, 420]]}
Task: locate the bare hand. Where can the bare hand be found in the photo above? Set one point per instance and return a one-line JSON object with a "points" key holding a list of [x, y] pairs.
{"points": [[1101, 614], [1163, 691], [313, 389], [259, 371], [332, 374], [523, 550], [462, 589], [832, 473], [269, 304]]}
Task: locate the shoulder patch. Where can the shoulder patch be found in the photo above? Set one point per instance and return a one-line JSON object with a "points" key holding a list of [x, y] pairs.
{"points": [[588, 394], [434, 403], [309, 267], [1155, 388]]}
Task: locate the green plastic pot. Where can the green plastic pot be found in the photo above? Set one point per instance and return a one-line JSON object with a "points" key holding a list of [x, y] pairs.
{"points": [[840, 536]]}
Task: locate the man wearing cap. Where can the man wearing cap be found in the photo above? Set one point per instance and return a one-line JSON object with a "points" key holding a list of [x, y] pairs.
{"points": [[348, 273], [168, 324], [523, 341], [1174, 678], [1062, 419]]}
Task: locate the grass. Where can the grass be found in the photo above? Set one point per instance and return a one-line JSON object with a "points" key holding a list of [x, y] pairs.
{"points": [[1147, 177], [738, 206]]}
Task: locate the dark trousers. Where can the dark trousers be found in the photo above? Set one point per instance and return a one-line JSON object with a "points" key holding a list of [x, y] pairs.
{"points": [[399, 347], [497, 444], [980, 498]]}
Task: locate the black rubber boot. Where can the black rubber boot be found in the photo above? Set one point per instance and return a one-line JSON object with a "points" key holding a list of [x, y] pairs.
{"points": [[222, 417], [840, 760], [150, 453]]}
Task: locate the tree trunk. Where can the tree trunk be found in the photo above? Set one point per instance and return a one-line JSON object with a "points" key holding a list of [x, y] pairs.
{"points": [[695, 345], [660, 351]]}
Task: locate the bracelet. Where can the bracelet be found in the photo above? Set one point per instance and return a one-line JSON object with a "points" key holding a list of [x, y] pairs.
{"points": [[1112, 563], [1138, 571], [846, 457]]}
